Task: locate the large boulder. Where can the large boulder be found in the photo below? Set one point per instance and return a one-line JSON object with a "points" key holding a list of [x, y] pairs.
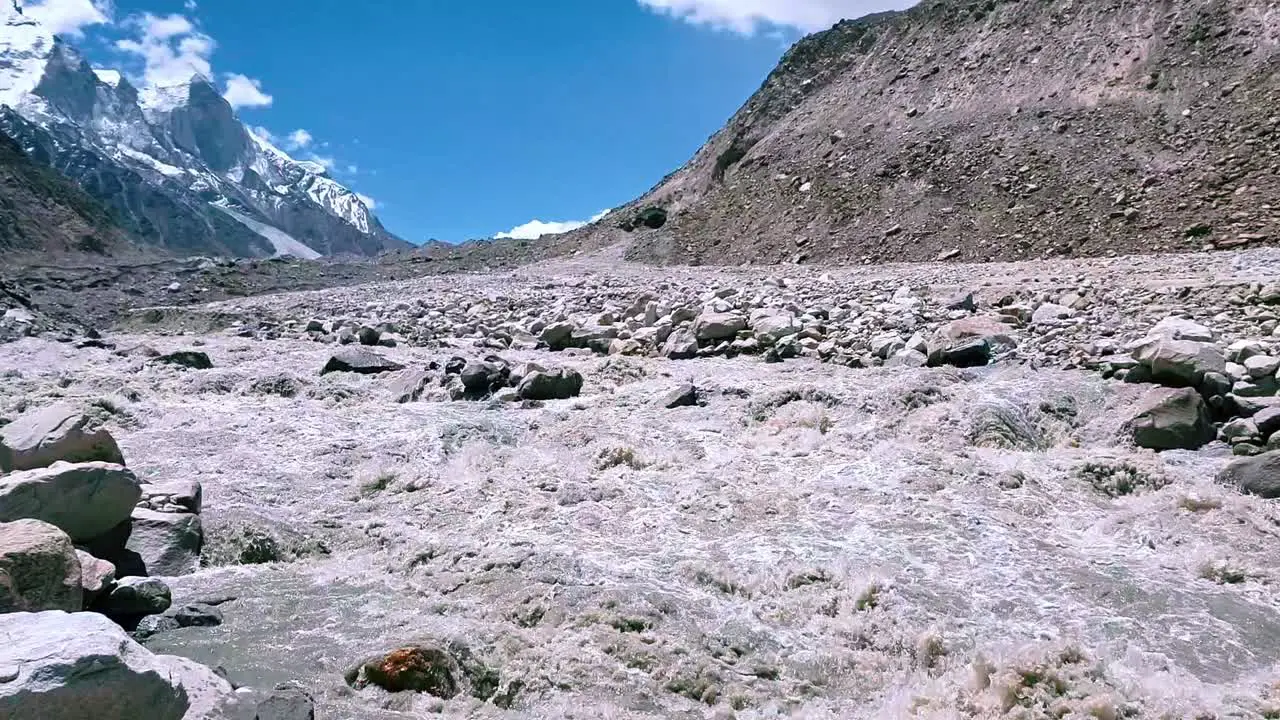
{"points": [[999, 335], [718, 326], [84, 500], [1172, 419], [42, 437], [772, 326], [287, 702], [554, 384], [358, 360], [1179, 363], [60, 666], [39, 569], [192, 359], [1258, 475], [1176, 328], [168, 543]]}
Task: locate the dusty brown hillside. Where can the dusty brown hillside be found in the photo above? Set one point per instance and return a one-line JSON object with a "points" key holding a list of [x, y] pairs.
{"points": [[43, 214], [1001, 129]]}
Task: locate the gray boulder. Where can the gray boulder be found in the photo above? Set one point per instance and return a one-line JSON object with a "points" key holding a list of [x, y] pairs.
{"points": [[360, 361], [191, 359], [718, 326], [60, 432], [1179, 363], [410, 385], [1172, 419], [168, 543], [771, 327], [680, 345], [135, 597], [176, 496], [84, 500], [287, 702], [557, 335], [39, 569], [60, 666], [1258, 475], [685, 395], [554, 384], [1176, 328]]}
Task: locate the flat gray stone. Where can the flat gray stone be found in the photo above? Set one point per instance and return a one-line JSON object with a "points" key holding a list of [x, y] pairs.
{"points": [[60, 432], [84, 500]]}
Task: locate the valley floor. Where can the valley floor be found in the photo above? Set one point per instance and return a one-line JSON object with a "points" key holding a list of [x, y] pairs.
{"points": [[812, 540]]}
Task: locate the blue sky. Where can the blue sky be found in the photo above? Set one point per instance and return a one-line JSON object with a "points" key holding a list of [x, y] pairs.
{"points": [[460, 119]]}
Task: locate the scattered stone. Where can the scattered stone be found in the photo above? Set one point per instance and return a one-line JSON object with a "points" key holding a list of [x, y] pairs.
{"points": [[136, 597], [191, 359], [85, 500], [681, 345], [1171, 419], [40, 438], [1179, 363], [39, 569], [684, 396], [167, 543], [555, 384], [357, 360], [1258, 475], [718, 326]]}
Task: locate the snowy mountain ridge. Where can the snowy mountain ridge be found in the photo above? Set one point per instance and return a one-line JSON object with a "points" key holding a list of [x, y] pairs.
{"points": [[130, 146]]}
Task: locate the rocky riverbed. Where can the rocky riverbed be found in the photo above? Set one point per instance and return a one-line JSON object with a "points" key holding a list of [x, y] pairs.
{"points": [[598, 490]]}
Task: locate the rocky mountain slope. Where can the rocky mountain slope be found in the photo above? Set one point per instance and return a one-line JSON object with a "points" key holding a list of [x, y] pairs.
{"points": [[43, 212], [990, 130], [175, 164]]}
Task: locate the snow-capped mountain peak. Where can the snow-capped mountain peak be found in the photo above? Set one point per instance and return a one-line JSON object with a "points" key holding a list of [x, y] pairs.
{"points": [[183, 141]]}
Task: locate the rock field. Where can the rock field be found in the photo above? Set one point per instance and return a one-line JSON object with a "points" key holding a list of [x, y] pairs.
{"points": [[596, 490]]}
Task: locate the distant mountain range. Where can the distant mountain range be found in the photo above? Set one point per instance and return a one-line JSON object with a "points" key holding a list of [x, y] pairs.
{"points": [[174, 166]]}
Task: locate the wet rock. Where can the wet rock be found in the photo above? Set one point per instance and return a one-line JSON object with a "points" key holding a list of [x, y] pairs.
{"points": [[684, 396], [39, 569], [135, 597], [281, 384], [60, 432], [178, 617], [962, 354], [167, 543], [718, 326], [368, 335], [358, 360], [1003, 424], [557, 335], [412, 669], [1171, 419], [555, 384], [85, 500], [287, 701], [1258, 475], [1267, 420], [481, 379], [60, 666], [981, 327], [410, 385], [190, 359]]}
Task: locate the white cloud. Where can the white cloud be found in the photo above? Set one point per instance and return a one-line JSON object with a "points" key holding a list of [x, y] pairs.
{"points": [[299, 139], [748, 16], [190, 5], [245, 92], [535, 229], [327, 163], [263, 133], [368, 201], [171, 48], [69, 17]]}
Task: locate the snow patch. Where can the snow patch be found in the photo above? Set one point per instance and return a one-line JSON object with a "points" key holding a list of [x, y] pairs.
{"points": [[284, 243]]}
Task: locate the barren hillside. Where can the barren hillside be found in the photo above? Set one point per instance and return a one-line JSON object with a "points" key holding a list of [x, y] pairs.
{"points": [[992, 130]]}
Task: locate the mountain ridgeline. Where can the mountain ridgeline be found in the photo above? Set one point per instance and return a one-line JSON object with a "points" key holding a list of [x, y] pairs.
{"points": [[175, 166], [991, 130]]}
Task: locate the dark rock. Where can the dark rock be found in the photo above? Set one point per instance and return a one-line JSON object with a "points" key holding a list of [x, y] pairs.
{"points": [[415, 669], [554, 384], [455, 366], [135, 597], [1170, 419], [963, 354], [177, 617], [287, 701], [1258, 475], [681, 345], [1268, 420], [357, 360], [168, 543], [192, 359], [481, 379], [368, 335], [683, 396]]}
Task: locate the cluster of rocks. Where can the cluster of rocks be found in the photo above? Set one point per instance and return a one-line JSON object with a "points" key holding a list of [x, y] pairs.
{"points": [[461, 379], [80, 539]]}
